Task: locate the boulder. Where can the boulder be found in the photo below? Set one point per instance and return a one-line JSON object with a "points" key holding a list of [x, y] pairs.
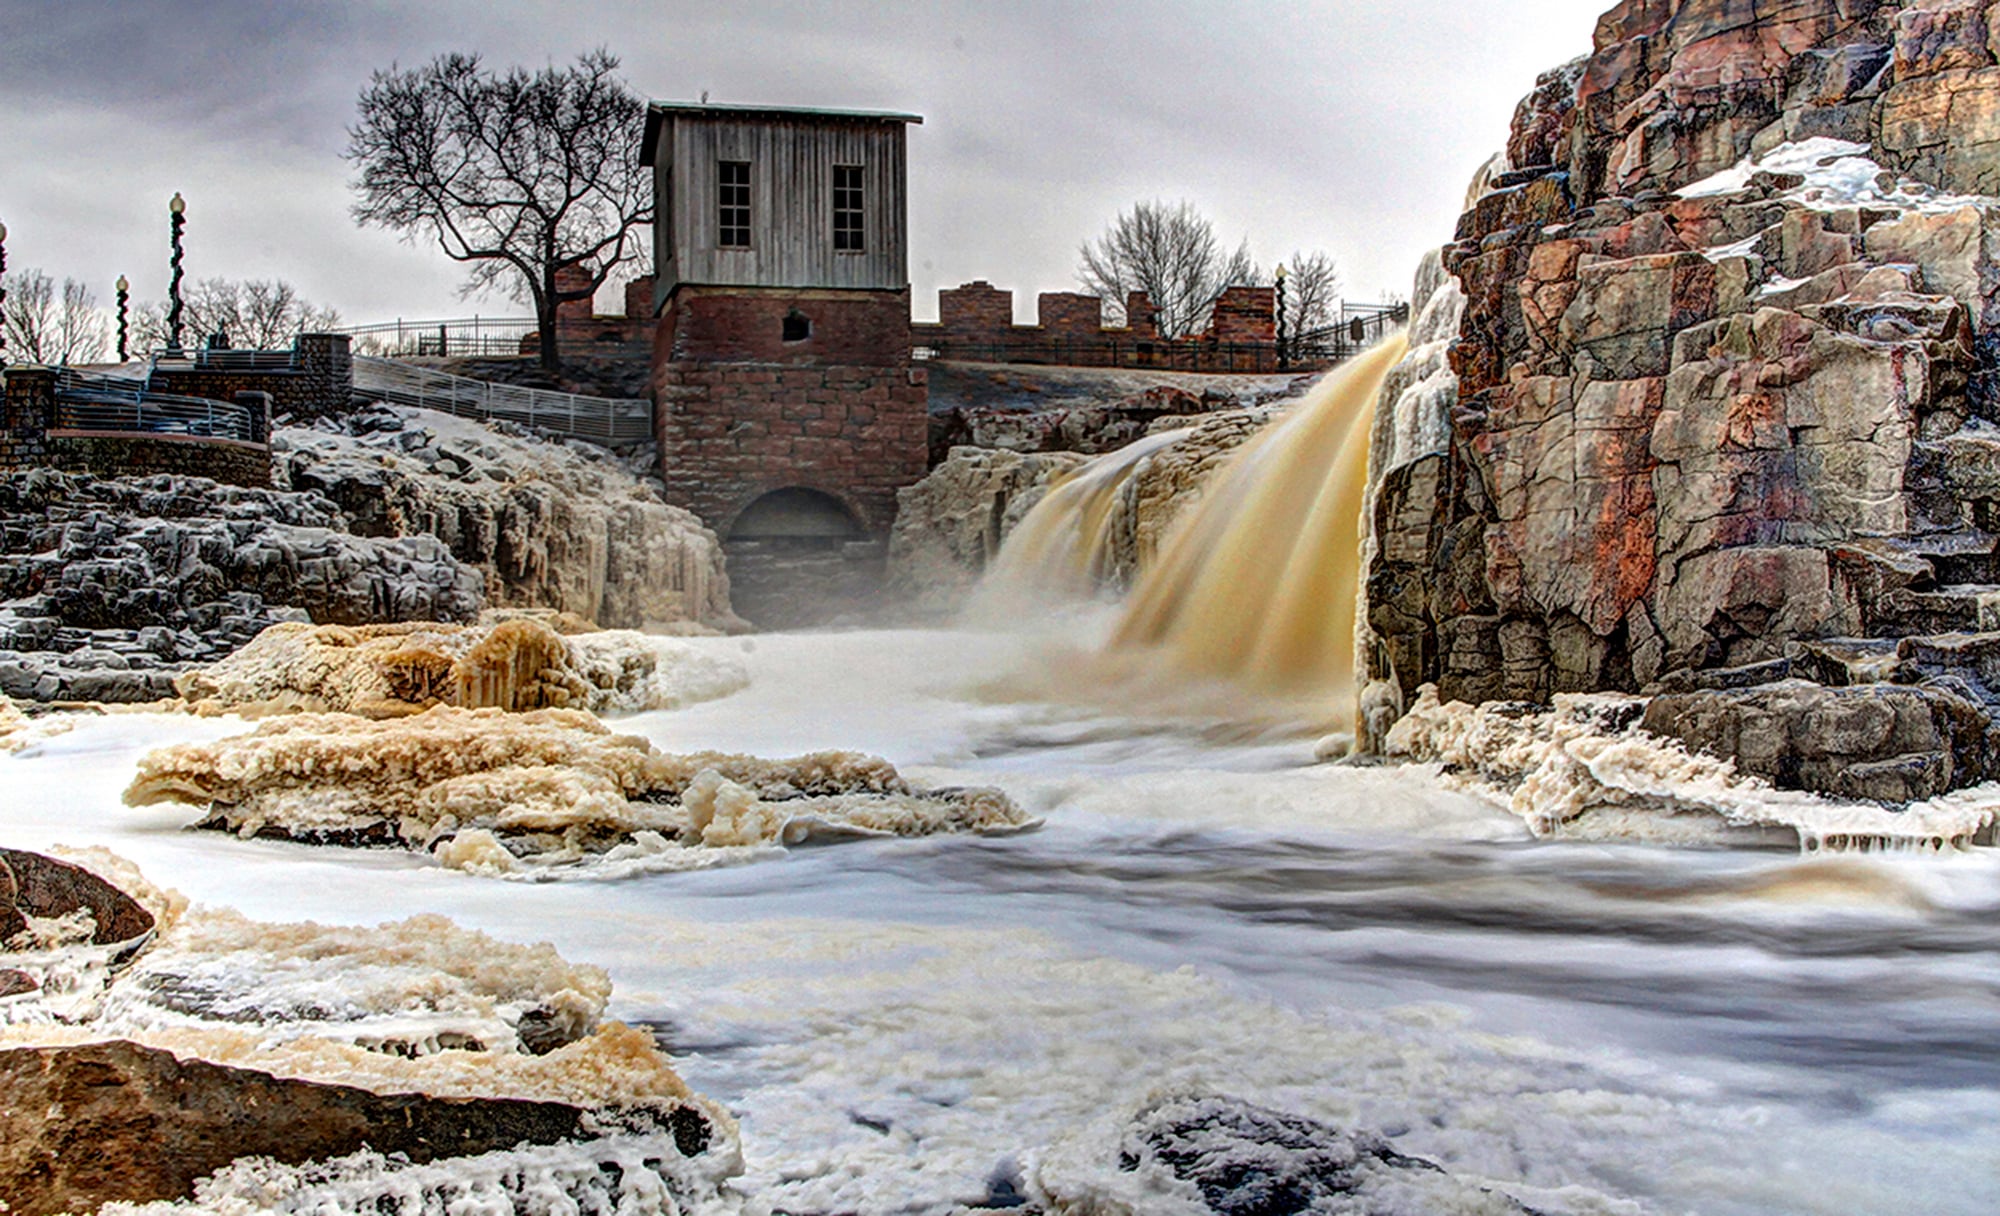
{"points": [[95, 1123], [32, 885], [1873, 742], [1215, 1155]]}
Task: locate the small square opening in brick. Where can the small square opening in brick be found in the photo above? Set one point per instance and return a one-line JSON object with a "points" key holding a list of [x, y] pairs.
{"points": [[798, 326]]}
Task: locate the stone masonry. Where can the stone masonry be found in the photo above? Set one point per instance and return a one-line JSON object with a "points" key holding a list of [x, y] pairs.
{"points": [[762, 389]]}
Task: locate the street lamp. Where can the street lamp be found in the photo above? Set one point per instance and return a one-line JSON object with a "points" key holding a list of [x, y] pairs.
{"points": [[124, 295], [176, 221], [1280, 276]]}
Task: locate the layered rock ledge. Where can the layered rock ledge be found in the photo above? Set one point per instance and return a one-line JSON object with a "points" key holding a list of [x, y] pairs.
{"points": [[1703, 398]]}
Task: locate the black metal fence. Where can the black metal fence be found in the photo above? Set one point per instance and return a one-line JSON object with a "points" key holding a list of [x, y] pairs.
{"points": [[464, 337]]}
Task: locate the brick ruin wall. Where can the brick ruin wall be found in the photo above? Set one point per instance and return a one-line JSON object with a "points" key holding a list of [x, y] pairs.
{"points": [[742, 411], [976, 322]]}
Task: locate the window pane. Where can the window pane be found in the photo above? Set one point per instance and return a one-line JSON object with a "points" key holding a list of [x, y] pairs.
{"points": [[733, 204], [847, 221]]}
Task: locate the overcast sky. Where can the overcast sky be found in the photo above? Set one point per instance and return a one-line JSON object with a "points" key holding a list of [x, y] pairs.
{"points": [[1345, 126]]}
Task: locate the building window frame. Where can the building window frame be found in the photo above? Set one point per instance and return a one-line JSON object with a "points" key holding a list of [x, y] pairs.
{"points": [[849, 209], [732, 204]]}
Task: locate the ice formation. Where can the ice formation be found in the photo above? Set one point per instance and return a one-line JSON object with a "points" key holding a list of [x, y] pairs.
{"points": [[18, 730], [620, 1173], [420, 1006], [498, 793], [1584, 766], [555, 525], [1830, 173], [507, 661]]}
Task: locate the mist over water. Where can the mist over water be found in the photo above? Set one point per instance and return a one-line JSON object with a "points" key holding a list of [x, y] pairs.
{"points": [[1248, 613]]}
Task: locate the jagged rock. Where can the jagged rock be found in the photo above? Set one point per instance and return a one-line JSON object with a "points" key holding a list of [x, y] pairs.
{"points": [[1720, 381], [109, 586], [1878, 742], [548, 525], [949, 526], [1088, 429], [116, 1121]]}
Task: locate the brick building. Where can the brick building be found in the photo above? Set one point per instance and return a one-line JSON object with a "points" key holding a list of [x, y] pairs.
{"points": [[786, 402]]}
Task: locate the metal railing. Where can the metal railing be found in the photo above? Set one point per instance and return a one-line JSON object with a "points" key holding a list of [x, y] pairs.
{"points": [[120, 406], [605, 420], [226, 360], [464, 337]]}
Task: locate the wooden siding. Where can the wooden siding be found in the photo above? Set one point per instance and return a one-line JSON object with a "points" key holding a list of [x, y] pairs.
{"points": [[791, 203]]}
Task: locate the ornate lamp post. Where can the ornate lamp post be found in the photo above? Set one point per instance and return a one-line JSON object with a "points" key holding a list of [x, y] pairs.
{"points": [[124, 297], [1280, 276], [3, 295], [176, 221]]}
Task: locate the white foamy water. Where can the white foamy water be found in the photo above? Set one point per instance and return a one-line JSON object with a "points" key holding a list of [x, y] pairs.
{"points": [[905, 1025]]}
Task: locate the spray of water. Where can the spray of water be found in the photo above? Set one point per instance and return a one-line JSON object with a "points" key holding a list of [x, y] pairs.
{"points": [[1250, 609]]}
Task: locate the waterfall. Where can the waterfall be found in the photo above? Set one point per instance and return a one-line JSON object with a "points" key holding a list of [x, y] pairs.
{"points": [[1256, 588]]}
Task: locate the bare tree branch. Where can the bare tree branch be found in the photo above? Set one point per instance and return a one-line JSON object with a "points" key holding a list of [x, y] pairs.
{"points": [[517, 174], [50, 324], [1312, 292], [1170, 252]]}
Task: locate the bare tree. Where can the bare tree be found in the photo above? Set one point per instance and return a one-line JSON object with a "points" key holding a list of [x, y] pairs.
{"points": [[50, 324], [251, 314], [1312, 292], [1170, 252], [519, 175]]}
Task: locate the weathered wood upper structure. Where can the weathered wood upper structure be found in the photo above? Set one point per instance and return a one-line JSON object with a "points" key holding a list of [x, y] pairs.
{"points": [[756, 196], [787, 408]]}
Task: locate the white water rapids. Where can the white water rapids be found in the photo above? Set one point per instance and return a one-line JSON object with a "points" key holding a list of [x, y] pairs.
{"points": [[906, 1025]]}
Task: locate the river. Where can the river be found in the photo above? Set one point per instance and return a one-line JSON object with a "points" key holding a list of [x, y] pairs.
{"points": [[906, 1025]]}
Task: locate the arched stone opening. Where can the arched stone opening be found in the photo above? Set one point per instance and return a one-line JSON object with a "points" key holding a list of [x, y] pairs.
{"points": [[796, 513], [800, 557]]}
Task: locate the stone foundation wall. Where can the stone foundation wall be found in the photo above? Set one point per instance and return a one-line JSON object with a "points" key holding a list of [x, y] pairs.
{"points": [[318, 384], [741, 411], [229, 461], [29, 439]]}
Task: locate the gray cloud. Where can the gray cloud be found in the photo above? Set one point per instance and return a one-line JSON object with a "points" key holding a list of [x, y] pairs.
{"points": [[1343, 126]]}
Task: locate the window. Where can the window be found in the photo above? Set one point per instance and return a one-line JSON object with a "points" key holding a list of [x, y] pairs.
{"points": [[847, 209], [733, 198], [798, 327]]}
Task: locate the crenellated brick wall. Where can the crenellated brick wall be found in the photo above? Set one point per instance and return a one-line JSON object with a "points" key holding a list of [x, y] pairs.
{"points": [[1244, 314], [742, 410], [976, 323]]}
